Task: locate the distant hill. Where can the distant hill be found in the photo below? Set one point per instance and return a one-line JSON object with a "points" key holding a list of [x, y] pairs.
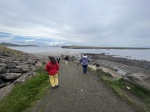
{"points": [[91, 47], [14, 45]]}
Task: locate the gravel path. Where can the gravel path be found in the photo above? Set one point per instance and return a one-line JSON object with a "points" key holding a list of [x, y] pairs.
{"points": [[80, 93]]}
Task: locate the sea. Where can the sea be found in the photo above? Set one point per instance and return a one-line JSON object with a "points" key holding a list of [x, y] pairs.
{"points": [[139, 54]]}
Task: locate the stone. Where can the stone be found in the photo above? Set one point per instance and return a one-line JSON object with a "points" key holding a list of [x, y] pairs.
{"points": [[31, 61], [138, 79], [15, 71], [23, 78], [2, 65], [25, 68], [12, 76], [39, 64], [5, 90], [2, 70], [11, 65]]}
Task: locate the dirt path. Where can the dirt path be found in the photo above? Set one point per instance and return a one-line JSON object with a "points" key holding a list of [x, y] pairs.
{"points": [[80, 93]]}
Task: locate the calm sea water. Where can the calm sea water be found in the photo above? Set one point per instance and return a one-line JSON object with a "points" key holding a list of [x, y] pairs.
{"points": [[134, 54]]}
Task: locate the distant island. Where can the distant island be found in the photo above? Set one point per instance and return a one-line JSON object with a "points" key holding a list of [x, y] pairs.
{"points": [[15, 45], [91, 47]]}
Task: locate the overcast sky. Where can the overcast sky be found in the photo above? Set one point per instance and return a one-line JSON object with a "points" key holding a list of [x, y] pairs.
{"points": [[76, 22]]}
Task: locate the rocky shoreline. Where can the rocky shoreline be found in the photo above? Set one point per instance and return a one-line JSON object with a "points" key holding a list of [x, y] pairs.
{"points": [[16, 67], [130, 70], [129, 62]]}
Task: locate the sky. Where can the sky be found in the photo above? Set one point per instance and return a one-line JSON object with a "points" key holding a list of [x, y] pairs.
{"points": [[106, 23]]}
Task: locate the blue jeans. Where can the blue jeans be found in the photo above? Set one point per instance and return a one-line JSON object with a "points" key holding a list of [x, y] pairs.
{"points": [[84, 68]]}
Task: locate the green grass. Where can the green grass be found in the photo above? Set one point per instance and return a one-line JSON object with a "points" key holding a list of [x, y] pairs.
{"points": [[11, 51], [119, 86], [24, 95]]}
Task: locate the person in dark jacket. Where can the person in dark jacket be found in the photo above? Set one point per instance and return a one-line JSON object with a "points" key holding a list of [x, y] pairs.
{"points": [[84, 60], [52, 68], [58, 60], [67, 59]]}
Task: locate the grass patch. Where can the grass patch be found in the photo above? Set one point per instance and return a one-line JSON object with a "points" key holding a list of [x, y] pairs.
{"points": [[118, 86], [91, 70], [11, 51], [24, 95]]}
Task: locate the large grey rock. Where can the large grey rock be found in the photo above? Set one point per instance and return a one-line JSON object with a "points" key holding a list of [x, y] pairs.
{"points": [[5, 90], [12, 76], [2, 65], [15, 71], [2, 70], [39, 64], [31, 61], [32, 68], [25, 68], [11, 65], [24, 77], [18, 67], [139, 79]]}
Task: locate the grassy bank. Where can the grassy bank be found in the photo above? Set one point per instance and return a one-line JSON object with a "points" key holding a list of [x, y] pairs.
{"points": [[11, 51], [134, 94], [24, 95]]}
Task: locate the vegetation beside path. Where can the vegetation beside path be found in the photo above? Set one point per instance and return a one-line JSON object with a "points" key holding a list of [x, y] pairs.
{"points": [[24, 95], [131, 93]]}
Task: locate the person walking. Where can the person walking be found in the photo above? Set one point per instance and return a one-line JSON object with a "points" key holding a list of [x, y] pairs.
{"points": [[84, 60], [58, 60], [67, 59], [52, 68]]}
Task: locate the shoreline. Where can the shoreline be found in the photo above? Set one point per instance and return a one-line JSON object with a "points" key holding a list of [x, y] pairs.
{"points": [[132, 65], [90, 47], [128, 65], [127, 53]]}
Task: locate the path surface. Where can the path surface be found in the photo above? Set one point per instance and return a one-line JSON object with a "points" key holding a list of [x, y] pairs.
{"points": [[80, 93]]}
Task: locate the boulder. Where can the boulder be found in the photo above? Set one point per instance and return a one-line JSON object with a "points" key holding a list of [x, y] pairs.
{"points": [[2, 65], [39, 64], [105, 71], [12, 76], [25, 68], [5, 90], [15, 71], [2, 70], [25, 77], [138, 79], [31, 61], [11, 65], [18, 67]]}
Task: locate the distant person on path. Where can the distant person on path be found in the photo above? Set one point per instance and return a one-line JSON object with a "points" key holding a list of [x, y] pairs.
{"points": [[84, 60], [66, 59], [58, 60], [52, 68]]}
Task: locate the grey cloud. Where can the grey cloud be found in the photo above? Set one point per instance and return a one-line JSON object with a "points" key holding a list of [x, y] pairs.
{"points": [[108, 22]]}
